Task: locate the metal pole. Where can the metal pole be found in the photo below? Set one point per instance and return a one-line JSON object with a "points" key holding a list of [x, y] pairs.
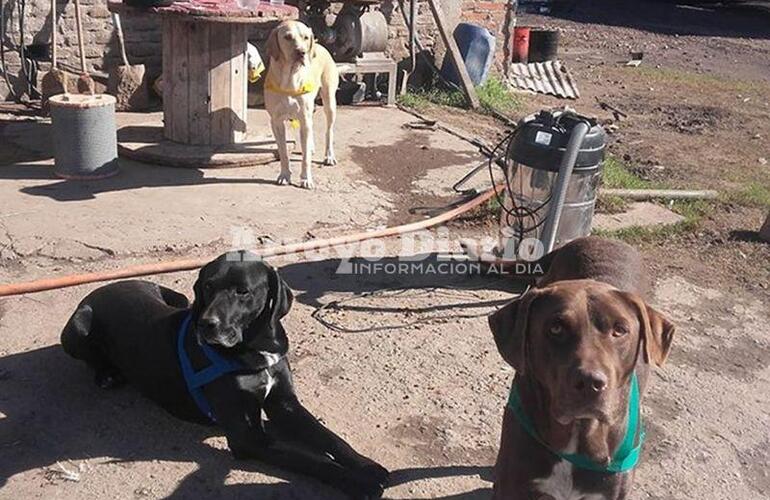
{"points": [[562, 182]]}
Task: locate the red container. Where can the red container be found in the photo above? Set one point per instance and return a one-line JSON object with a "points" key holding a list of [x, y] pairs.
{"points": [[521, 44]]}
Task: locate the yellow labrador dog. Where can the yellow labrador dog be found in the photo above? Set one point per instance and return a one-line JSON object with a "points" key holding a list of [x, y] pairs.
{"points": [[299, 69]]}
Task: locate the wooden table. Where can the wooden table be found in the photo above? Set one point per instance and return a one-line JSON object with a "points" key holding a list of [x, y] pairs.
{"points": [[205, 74]]}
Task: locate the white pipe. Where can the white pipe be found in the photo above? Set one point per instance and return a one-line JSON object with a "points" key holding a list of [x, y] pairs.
{"points": [[671, 194]]}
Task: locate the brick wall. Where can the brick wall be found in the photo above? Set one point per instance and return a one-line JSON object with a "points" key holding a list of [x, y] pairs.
{"points": [[490, 14], [101, 49], [143, 34]]}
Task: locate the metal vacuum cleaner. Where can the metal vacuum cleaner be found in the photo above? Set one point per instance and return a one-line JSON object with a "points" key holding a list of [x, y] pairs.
{"points": [[551, 165]]}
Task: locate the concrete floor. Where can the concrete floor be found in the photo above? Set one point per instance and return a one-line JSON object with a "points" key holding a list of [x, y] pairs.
{"points": [[148, 208]]}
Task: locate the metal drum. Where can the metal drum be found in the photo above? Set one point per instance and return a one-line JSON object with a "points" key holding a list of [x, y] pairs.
{"points": [[84, 135]]}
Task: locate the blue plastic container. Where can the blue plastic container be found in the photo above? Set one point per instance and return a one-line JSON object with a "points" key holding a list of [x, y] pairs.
{"points": [[477, 47]]}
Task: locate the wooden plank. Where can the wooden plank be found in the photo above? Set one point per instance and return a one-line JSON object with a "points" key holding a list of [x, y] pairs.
{"points": [[178, 103], [509, 26], [167, 40], [198, 103], [454, 52], [220, 111], [238, 83], [392, 86]]}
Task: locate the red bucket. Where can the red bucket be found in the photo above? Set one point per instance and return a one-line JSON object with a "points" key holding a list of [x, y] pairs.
{"points": [[521, 44]]}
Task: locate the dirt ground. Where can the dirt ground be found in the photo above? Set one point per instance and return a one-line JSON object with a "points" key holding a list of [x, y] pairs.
{"points": [[404, 367]]}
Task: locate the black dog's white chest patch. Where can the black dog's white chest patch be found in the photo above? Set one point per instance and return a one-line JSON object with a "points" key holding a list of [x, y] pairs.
{"points": [[262, 381]]}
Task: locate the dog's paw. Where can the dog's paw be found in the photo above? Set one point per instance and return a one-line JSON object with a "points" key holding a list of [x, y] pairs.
{"points": [[377, 473], [364, 489], [284, 179], [368, 481], [330, 161], [307, 184]]}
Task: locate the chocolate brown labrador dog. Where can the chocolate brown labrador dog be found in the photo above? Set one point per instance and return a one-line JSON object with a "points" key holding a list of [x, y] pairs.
{"points": [[582, 342]]}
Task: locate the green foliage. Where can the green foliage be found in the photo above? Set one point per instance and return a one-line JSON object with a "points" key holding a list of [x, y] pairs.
{"points": [[677, 77], [648, 234], [693, 211], [609, 204], [752, 194], [493, 95], [616, 175]]}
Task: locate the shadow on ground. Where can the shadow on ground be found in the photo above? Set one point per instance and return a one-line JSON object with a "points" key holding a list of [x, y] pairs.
{"points": [[131, 176], [313, 281], [54, 413], [728, 19], [25, 143]]}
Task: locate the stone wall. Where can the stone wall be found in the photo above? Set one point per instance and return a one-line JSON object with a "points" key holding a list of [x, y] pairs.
{"points": [[143, 32]]}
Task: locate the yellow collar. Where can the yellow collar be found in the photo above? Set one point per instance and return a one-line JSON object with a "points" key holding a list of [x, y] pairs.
{"points": [[255, 73], [305, 88]]}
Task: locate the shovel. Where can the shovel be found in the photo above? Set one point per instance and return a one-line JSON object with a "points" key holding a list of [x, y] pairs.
{"points": [[55, 81], [85, 83], [128, 83]]}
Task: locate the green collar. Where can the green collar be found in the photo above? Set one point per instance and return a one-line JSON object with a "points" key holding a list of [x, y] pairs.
{"points": [[627, 455]]}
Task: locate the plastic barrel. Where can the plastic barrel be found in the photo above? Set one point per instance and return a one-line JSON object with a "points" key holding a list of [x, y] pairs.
{"points": [[521, 44], [543, 45], [84, 136], [477, 48]]}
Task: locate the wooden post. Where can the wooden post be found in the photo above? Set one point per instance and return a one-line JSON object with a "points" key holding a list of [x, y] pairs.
{"points": [[508, 28], [454, 52]]}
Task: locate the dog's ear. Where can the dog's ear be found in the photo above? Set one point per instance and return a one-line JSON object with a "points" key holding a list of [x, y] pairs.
{"points": [[312, 47], [199, 301], [658, 336], [273, 46], [509, 327], [280, 298], [656, 331]]}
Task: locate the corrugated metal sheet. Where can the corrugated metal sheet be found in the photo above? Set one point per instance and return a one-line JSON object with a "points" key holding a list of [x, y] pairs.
{"points": [[550, 77]]}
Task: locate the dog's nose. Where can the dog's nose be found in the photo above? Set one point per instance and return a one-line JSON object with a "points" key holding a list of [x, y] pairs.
{"points": [[208, 322], [590, 381]]}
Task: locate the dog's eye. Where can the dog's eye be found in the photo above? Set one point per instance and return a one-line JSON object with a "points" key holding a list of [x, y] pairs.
{"points": [[557, 330], [619, 330], [242, 291], [288, 37], [208, 287]]}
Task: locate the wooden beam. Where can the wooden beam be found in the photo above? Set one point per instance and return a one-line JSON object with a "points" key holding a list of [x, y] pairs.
{"points": [[509, 26], [454, 52]]}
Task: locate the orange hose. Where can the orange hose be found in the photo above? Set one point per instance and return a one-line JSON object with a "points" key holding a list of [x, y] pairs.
{"points": [[190, 264]]}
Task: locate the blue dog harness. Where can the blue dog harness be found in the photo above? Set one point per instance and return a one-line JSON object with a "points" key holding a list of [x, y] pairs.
{"points": [[196, 380]]}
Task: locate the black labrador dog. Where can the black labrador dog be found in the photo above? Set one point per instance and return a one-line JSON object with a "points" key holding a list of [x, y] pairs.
{"points": [[221, 361]]}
